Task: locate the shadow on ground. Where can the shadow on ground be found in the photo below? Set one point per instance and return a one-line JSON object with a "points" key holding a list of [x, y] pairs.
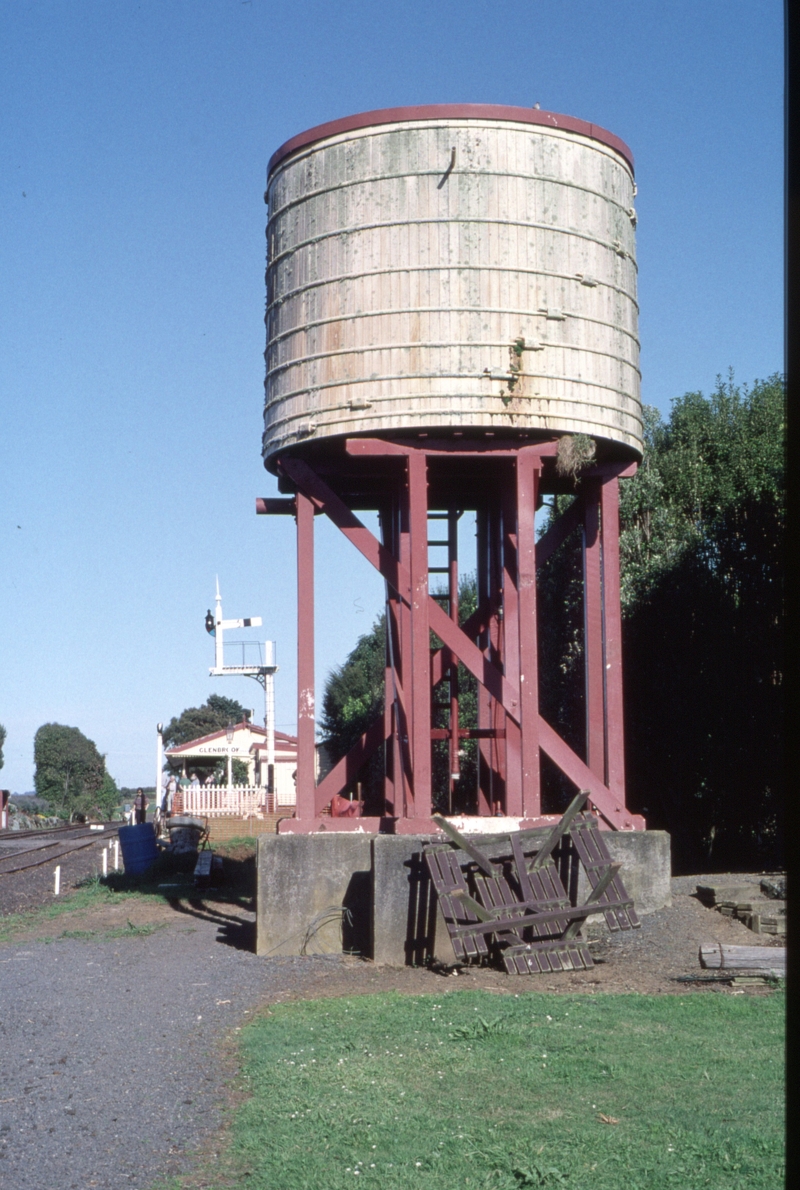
{"points": [[226, 902]]}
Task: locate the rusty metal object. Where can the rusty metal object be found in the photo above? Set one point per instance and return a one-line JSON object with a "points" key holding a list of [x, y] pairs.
{"points": [[342, 807]]}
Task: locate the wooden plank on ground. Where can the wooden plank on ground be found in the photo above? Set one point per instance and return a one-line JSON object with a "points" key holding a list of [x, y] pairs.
{"points": [[747, 958]]}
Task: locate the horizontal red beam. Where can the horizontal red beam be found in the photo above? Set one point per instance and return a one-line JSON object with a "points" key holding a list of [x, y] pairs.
{"points": [[276, 506], [610, 471], [469, 733]]}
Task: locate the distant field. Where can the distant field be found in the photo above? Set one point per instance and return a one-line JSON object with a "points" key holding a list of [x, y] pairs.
{"points": [[472, 1089]]}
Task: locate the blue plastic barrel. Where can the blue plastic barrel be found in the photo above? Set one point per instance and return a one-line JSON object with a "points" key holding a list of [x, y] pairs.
{"points": [[138, 845]]}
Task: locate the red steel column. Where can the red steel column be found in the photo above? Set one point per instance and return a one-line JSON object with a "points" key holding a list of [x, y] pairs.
{"points": [[593, 635], [389, 728], [452, 587], [420, 634], [527, 484], [511, 641], [486, 747], [612, 624], [499, 719], [306, 741], [403, 669]]}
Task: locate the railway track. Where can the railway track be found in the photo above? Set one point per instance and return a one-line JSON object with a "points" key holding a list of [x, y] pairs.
{"points": [[20, 850]]}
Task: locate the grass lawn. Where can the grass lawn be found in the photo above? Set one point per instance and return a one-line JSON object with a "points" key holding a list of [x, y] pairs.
{"points": [[472, 1089], [94, 893]]}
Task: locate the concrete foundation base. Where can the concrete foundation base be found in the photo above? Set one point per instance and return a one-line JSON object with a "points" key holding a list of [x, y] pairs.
{"points": [[303, 884], [306, 882]]}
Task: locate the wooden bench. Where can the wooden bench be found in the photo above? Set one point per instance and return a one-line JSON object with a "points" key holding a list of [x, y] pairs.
{"points": [[514, 907], [204, 868]]}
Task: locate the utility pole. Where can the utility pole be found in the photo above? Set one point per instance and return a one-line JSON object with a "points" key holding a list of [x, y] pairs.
{"points": [[263, 674]]}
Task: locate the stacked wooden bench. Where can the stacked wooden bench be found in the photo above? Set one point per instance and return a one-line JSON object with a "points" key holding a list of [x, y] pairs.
{"points": [[514, 908], [208, 866]]}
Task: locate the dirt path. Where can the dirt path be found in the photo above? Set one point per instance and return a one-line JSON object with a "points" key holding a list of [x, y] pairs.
{"points": [[649, 960]]}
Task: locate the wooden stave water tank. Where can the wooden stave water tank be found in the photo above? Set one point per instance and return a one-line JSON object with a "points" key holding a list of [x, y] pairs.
{"points": [[411, 251]]}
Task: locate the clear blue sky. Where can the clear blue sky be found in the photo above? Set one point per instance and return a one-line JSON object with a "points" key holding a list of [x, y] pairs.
{"points": [[134, 143]]}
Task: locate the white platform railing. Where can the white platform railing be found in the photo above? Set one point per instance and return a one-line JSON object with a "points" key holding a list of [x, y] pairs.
{"points": [[240, 801]]}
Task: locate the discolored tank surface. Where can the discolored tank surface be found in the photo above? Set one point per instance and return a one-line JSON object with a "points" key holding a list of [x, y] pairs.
{"points": [[452, 269]]}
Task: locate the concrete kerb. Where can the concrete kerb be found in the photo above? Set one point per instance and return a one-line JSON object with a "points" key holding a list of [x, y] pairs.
{"points": [[383, 883]]}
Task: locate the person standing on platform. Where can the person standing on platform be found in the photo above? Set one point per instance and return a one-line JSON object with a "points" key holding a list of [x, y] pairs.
{"points": [[140, 807], [169, 796]]}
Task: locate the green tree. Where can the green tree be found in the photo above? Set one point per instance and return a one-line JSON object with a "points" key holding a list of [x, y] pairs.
{"points": [[2, 741], [214, 715], [701, 475], [354, 698], [108, 796], [702, 555], [702, 526], [70, 772]]}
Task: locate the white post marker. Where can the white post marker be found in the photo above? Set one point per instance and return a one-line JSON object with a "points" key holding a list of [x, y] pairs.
{"points": [[57, 880], [159, 772], [105, 862], [116, 855]]}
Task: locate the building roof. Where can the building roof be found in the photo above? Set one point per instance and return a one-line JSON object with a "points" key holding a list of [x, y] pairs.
{"points": [[216, 744]]}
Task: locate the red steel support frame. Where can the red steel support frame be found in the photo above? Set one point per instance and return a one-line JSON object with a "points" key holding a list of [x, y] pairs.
{"points": [[306, 734], [420, 635], [527, 480], [612, 632], [593, 633], [498, 644]]}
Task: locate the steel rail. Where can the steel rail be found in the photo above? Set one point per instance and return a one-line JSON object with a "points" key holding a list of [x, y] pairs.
{"points": [[51, 831], [48, 859]]}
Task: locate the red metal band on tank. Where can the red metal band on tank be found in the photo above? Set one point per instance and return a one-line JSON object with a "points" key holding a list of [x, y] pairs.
{"points": [[450, 111]]}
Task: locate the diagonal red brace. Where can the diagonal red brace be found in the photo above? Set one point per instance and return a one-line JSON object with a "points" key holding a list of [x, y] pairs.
{"points": [[604, 801], [398, 577], [316, 489], [346, 769], [477, 622]]}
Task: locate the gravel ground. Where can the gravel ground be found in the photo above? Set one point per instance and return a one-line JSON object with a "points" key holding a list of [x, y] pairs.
{"points": [[110, 1064], [115, 1052]]}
